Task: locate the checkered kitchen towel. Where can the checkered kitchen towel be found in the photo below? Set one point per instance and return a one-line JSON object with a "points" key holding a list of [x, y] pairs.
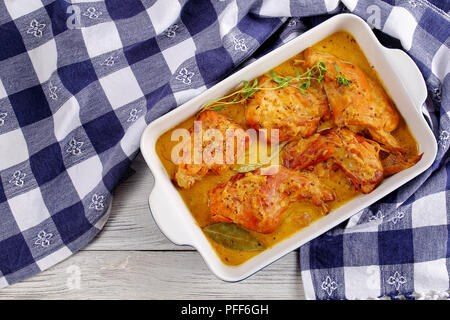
{"points": [[80, 80]]}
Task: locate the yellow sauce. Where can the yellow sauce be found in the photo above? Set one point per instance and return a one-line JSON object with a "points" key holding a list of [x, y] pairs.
{"points": [[302, 213]]}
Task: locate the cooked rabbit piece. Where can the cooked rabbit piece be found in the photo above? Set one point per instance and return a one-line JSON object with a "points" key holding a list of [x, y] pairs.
{"points": [[257, 201], [287, 109], [357, 101], [357, 156], [188, 172]]}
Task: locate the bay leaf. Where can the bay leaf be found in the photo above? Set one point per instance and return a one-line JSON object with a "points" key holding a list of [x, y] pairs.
{"points": [[233, 237], [243, 168]]}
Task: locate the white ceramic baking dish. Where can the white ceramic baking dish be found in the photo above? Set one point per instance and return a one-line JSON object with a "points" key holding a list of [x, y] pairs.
{"points": [[397, 71]]}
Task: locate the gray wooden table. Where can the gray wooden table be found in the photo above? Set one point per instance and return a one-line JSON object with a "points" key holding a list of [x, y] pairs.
{"points": [[132, 259]]}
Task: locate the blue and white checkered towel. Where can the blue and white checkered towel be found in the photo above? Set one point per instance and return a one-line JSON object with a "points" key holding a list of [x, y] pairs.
{"points": [[80, 80]]}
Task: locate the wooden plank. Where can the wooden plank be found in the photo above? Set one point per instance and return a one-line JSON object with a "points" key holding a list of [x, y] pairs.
{"points": [[154, 275], [130, 225]]}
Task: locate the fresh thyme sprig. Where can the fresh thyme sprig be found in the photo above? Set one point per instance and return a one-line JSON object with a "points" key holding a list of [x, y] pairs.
{"points": [[301, 81], [247, 90], [340, 78]]}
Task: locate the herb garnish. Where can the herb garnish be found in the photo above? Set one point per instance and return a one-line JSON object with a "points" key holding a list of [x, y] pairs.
{"points": [[301, 81], [340, 79], [238, 96]]}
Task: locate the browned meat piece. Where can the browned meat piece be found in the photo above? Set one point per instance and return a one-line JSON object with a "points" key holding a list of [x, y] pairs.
{"points": [[257, 202], [287, 109], [362, 105], [396, 162], [188, 172], [357, 156]]}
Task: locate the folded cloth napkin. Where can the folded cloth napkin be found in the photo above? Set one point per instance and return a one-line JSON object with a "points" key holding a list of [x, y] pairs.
{"points": [[80, 80]]}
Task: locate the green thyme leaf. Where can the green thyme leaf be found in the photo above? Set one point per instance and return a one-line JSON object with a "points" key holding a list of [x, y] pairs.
{"points": [[336, 67], [340, 78], [218, 108]]}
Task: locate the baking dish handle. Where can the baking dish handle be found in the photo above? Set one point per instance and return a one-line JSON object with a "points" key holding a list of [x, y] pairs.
{"points": [[164, 215], [412, 79]]}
